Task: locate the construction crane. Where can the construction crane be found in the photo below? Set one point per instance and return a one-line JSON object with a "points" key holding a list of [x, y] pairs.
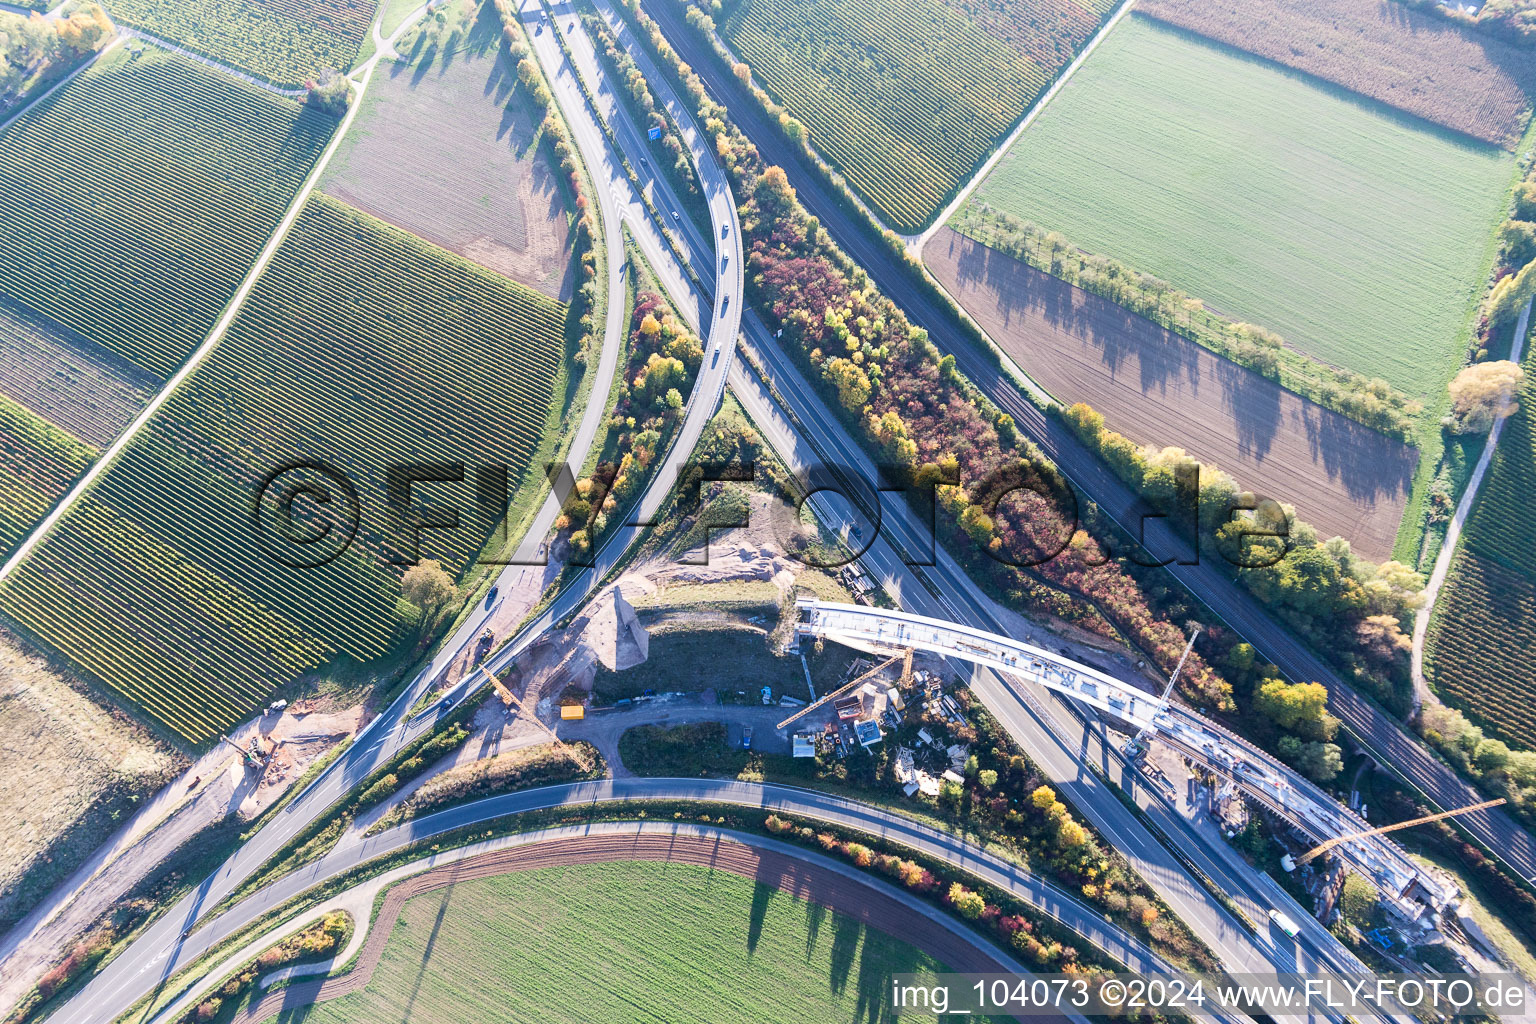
{"points": [[1330, 844], [510, 700], [251, 756], [887, 663], [1134, 746]]}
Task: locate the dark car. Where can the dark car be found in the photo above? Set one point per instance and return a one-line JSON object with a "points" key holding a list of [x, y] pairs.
{"points": [[490, 598]]}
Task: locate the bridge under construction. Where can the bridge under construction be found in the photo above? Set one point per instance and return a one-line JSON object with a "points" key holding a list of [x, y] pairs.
{"points": [[1273, 784]]}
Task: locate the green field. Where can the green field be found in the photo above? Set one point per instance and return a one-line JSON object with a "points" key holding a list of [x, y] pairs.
{"points": [[906, 97], [134, 202], [38, 462], [1359, 236], [361, 347], [624, 941], [286, 42], [1479, 650]]}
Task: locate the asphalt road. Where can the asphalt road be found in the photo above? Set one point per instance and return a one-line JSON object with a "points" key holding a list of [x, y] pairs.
{"points": [[1062, 744], [1388, 741], [1037, 892]]}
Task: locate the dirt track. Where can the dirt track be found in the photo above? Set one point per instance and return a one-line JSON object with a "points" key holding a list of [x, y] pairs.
{"points": [[1159, 388], [789, 874]]}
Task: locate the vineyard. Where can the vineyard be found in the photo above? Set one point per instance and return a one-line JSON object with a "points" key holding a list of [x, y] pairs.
{"points": [[1482, 644], [1485, 626], [1356, 235], [362, 347], [65, 379], [38, 462], [133, 203], [906, 97], [286, 42]]}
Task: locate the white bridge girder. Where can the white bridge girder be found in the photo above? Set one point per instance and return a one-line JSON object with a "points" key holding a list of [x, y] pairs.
{"points": [[1277, 786]]}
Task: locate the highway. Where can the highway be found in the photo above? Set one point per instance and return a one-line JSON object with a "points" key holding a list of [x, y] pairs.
{"points": [[1393, 747], [1063, 752], [163, 949], [1232, 941], [149, 959]]}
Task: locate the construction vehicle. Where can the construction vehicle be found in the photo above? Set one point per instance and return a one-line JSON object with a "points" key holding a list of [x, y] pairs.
{"points": [[254, 758], [483, 645]]}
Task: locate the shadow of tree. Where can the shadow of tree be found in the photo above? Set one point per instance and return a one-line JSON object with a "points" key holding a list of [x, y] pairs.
{"points": [[1160, 388]]}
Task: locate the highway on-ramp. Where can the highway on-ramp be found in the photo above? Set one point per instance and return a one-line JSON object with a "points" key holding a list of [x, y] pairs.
{"points": [[1034, 729], [1039, 893]]}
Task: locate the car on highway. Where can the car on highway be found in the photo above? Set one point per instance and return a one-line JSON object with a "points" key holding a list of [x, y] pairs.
{"points": [[490, 598], [725, 305]]}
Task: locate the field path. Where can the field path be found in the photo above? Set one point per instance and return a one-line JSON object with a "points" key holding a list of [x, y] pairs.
{"points": [[916, 242], [295, 207], [1421, 691], [209, 62], [61, 83], [800, 873]]}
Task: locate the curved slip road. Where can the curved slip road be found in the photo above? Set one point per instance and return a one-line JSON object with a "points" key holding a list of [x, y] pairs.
{"points": [[1383, 735], [801, 873], [123, 983]]}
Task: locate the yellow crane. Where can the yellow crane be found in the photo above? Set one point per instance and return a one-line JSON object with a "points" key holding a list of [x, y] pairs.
{"points": [[887, 663], [1330, 844], [511, 701]]}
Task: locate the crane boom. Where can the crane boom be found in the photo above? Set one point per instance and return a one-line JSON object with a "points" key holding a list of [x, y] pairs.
{"points": [[887, 663], [1330, 844], [507, 698]]}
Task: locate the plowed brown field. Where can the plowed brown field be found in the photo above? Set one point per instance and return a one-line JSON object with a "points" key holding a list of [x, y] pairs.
{"points": [[811, 882], [442, 149], [1381, 49], [1159, 388]]}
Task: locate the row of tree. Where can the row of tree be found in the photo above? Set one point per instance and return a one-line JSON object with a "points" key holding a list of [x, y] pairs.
{"points": [[1369, 401], [663, 360], [678, 163], [1342, 603], [1037, 548]]}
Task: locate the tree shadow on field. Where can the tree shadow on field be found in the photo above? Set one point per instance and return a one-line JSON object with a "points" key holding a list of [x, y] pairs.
{"points": [[876, 968], [846, 933], [815, 914], [1030, 304], [426, 952], [762, 895]]}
